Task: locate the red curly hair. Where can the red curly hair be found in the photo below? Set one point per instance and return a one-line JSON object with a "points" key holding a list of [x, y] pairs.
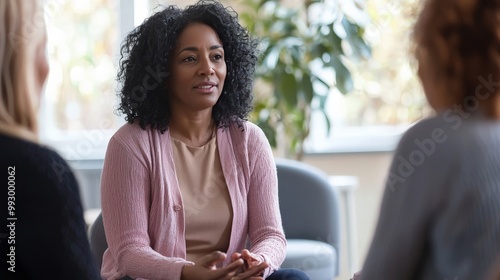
{"points": [[460, 40]]}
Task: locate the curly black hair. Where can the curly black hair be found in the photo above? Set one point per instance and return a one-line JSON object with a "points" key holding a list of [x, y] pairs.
{"points": [[146, 58]]}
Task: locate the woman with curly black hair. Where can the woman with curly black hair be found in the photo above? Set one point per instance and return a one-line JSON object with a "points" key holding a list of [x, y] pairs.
{"points": [[188, 179]]}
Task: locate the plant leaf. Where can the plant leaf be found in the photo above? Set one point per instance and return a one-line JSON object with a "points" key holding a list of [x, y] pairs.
{"points": [[343, 77], [327, 122], [355, 39], [335, 41], [307, 88], [289, 89], [272, 56]]}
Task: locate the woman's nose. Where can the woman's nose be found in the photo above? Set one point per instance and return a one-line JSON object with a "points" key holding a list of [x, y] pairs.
{"points": [[206, 68]]}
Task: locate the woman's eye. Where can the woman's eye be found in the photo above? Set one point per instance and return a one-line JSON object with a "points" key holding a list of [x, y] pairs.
{"points": [[218, 57], [189, 59]]}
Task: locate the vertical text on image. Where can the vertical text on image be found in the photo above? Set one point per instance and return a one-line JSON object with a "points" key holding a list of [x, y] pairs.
{"points": [[11, 218]]}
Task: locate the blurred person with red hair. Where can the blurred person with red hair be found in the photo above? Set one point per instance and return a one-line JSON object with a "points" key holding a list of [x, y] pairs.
{"points": [[440, 214]]}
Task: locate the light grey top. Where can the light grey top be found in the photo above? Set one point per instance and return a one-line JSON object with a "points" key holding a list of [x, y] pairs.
{"points": [[440, 214]]}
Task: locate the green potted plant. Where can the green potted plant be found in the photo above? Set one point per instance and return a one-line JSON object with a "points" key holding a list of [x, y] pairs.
{"points": [[298, 46]]}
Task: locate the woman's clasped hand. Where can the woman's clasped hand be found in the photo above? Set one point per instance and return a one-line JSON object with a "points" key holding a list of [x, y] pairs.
{"points": [[244, 265]]}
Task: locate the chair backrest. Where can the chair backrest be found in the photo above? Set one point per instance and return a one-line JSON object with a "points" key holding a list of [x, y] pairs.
{"points": [[98, 243], [309, 204]]}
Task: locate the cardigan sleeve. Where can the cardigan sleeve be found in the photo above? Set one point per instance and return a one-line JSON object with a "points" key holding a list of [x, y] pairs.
{"points": [[264, 218], [125, 189]]}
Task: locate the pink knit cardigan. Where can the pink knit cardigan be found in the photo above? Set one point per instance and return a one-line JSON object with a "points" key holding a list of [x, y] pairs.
{"points": [[142, 206]]}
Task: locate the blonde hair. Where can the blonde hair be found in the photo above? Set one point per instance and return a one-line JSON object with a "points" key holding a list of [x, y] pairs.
{"points": [[461, 41], [20, 34]]}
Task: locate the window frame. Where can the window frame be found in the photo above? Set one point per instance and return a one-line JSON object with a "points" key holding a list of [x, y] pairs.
{"points": [[91, 144]]}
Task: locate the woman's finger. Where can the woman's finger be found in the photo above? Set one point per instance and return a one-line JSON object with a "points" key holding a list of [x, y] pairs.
{"points": [[255, 271], [212, 259]]}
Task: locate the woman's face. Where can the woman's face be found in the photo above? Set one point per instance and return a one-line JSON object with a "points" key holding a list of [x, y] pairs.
{"points": [[198, 69]]}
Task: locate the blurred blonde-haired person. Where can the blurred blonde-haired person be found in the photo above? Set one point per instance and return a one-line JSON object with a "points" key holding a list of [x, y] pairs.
{"points": [[42, 235], [440, 214]]}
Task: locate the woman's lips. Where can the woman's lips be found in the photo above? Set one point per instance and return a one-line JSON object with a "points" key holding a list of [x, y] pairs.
{"points": [[206, 88]]}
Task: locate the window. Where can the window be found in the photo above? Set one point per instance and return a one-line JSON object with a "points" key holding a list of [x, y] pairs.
{"points": [[387, 97], [78, 108], [79, 101]]}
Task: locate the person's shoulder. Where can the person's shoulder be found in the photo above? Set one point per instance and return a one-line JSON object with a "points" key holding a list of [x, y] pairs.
{"points": [[18, 149], [250, 125], [133, 133], [453, 133], [246, 129], [130, 129], [244, 126], [425, 126], [253, 128], [481, 130], [433, 129], [480, 141], [35, 163]]}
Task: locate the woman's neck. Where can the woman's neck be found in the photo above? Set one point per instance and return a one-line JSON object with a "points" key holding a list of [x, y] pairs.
{"points": [[195, 131], [18, 132]]}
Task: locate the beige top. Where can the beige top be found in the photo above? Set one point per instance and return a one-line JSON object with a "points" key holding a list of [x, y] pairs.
{"points": [[207, 205]]}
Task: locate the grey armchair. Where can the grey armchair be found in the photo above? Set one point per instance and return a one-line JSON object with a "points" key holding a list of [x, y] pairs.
{"points": [[311, 219], [97, 238]]}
